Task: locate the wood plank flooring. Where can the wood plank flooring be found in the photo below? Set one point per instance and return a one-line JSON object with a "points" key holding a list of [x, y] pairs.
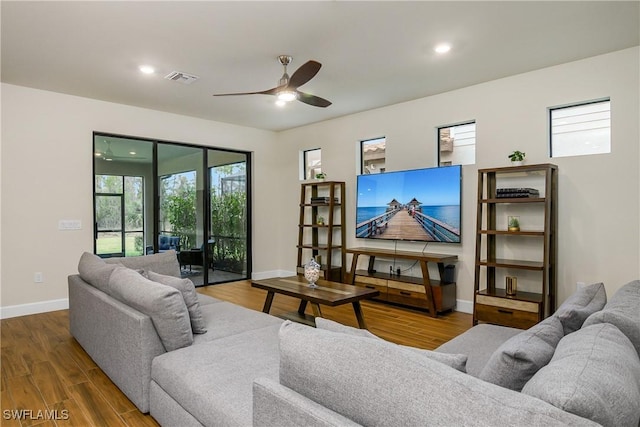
{"points": [[48, 379]]}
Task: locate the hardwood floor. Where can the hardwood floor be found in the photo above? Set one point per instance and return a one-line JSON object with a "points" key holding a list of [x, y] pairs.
{"points": [[48, 379]]}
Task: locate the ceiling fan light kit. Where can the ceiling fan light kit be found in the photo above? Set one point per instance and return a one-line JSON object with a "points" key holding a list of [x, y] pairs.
{"points": [[287, 89]]}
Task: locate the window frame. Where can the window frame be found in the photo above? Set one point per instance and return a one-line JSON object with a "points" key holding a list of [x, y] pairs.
{"points": [[362, 159], [551, 110], [453, 125]]}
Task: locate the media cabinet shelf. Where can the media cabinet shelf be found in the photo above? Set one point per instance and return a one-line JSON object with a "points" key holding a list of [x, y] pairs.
{"points": [[436, 296], [322, 241], [492, 304]]}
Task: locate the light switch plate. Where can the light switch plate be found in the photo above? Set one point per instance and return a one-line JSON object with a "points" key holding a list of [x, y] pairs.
{"points": [[69, 224]]}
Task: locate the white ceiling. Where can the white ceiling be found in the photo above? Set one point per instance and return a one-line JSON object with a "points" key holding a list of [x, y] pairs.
{"points": [[373, 53]]}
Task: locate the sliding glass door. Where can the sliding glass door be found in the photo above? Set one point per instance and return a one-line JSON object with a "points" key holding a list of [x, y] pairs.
{"points": [[228, 225], [152, 196]]}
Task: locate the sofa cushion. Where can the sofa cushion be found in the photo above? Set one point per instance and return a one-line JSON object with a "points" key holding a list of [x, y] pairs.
{"points": [[594, 373], [223, 319], [188, 290], [456, 361], [584, 302], [214, 381], [478, 343], [163, 304], [95, 271], [375, 384], [520, 357], [623, 310], [162, 263]]}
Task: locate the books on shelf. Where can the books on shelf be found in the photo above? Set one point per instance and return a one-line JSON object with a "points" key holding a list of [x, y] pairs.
{"points": [[507, 193], [322, 200]]}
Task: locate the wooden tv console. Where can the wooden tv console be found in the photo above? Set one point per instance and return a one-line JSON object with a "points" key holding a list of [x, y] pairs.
{"points": [[422, 292]]}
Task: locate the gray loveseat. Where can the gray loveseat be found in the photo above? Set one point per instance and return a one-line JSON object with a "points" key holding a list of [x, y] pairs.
{"points": [[146, 330]]}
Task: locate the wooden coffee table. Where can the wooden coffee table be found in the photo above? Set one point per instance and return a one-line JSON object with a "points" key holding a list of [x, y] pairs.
{"points": [[327, 293]]}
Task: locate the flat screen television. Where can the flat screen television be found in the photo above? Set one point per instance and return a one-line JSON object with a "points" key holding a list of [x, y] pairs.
{"points": [[415, 205]]}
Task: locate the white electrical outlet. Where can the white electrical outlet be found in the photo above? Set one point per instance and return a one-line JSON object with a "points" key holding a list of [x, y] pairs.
{"points": [[38, 277]]}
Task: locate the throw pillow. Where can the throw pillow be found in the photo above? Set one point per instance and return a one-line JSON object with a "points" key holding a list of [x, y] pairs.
{"points": [[584, 302], [188, 290], [456, 361], [623, 311], [520, 357], [163, 304], [162, 263], [95, 271], [594, 373]]}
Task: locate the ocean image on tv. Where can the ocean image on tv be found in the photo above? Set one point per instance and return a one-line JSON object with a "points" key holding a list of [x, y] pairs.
{"points": [[421, 205]]}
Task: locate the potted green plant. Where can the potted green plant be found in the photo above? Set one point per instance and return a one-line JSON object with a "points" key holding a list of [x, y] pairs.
{"points": [[517, 157], [321, 176], [514, 223]]}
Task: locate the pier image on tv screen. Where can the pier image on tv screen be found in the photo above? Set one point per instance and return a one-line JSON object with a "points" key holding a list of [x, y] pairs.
{"points": [[418, 205]]}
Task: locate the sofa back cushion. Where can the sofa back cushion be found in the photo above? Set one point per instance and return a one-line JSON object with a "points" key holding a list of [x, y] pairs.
{"points": [[456, 361], [594, 373], [162, 263], [623, 310], [376, 384], [163, 304], [584, 302], [520, 357], [95, 271], [188, 291]]}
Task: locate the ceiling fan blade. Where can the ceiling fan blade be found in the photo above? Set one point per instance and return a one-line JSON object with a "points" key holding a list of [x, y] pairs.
{"points": [[304, 74], [272, 91], [316, 101]]}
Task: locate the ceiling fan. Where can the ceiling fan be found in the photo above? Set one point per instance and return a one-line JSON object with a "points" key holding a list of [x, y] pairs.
{"points": [[287, 89], [108, 155]]}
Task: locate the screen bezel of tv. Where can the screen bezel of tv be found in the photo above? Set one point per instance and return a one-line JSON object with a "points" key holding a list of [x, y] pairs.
{"points": [[429, 178]]}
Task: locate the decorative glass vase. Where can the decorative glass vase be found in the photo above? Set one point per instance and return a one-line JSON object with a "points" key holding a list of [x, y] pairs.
{"points": [[312, 272]]}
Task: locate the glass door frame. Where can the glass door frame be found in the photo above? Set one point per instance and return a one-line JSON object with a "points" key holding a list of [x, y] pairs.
{"points": [[206, 223]]}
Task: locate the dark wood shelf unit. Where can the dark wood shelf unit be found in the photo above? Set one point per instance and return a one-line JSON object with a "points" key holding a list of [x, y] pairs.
{"points": [[436, 296], [492, 305], [325, 240]]}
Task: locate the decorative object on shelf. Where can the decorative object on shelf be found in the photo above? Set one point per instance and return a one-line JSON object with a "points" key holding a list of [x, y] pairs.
{"points": [[312, 272], [321, 176], [511, 285], [320, 220], [517, 158], [514, 223]]}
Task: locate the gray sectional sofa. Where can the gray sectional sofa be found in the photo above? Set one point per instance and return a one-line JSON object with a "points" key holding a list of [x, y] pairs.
{"points": [[578, 367]]}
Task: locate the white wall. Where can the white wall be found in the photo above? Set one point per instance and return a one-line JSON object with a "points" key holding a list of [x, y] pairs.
{"points": [[47, 176], [598, 195], [46, 172]]}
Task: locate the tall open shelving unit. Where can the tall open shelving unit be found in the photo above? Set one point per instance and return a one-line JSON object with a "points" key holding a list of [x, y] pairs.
{"points": [[324, 239], [494, 243]]}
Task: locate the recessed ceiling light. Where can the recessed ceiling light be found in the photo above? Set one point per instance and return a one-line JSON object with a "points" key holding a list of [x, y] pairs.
{"points": [[281, 103], [133, 153], [442, 48], [147, 69]]}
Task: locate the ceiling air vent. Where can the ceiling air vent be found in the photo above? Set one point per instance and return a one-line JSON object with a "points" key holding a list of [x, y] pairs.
{"points": [[183, 78]]}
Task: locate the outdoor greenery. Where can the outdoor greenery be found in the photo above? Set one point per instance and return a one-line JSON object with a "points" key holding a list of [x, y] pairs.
{"points": [[111, 192], [178, 207]]}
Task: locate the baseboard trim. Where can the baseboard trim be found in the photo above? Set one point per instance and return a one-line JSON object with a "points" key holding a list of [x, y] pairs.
{"points": [[33, 308], [464, 306]]}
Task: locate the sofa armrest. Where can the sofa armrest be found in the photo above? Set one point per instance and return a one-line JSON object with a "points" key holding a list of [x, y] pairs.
{"points": [[122, 341], [277, 405]]}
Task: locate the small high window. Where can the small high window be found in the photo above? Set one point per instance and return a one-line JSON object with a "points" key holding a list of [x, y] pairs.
{"points": [[580, 129], [457, 144], [311, 163], [372, 153]]}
